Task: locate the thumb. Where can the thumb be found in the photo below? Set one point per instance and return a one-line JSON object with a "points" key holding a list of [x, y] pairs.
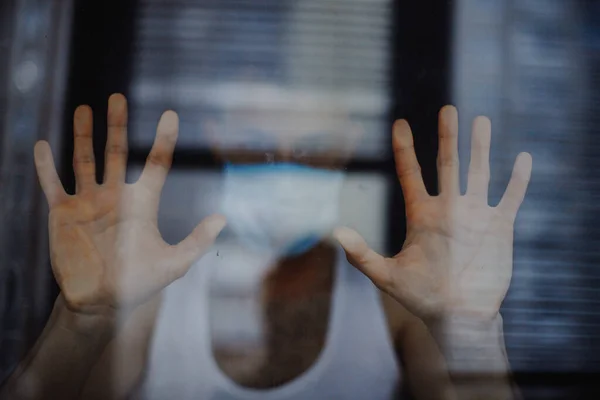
{"points": [[361, 256], [198, 242]]}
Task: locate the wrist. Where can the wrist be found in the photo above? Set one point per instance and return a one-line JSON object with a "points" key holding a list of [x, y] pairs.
{"points": [[453, 323], [471, 344], [87, 324]]}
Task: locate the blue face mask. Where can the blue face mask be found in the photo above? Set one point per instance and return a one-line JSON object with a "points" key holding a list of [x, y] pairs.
{"points": [[284, 209]]}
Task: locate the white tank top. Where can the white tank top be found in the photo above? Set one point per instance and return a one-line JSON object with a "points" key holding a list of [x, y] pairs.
{"points": [[357, 361]]}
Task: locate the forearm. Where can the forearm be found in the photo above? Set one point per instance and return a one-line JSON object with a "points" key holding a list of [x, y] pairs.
{"points": [[121, 366], [424, 367], [475, 356], [61, 359]]}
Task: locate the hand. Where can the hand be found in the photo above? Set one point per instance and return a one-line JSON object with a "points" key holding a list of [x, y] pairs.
{"points": [[457, 257], [106, 250]]}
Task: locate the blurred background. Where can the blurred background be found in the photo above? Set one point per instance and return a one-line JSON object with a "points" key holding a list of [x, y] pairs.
{"points": [[530, 65]]}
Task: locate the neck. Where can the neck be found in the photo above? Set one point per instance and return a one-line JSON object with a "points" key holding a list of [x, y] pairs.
{"points": [[302, 275]]}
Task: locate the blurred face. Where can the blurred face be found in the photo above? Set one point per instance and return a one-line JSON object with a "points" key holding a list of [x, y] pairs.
{"points": [[284, 151], [283, 175], [320, 137]]}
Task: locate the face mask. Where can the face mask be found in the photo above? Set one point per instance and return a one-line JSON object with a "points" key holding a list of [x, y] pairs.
{"points": [[284, 209]]}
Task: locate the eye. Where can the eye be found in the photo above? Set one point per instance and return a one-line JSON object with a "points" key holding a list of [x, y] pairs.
{"points": [[257, 140], [300, 152], [269, 158]]}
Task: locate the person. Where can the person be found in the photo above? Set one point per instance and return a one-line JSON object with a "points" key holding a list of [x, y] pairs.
{"points": [[133, 316]]}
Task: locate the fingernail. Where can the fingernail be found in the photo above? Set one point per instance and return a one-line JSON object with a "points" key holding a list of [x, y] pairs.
{"points": [[526, 157], [116, 98], [450, 115], [82, 115], [400, 126], [344, 235], [39, 151], [168, 125], [525, 161]]}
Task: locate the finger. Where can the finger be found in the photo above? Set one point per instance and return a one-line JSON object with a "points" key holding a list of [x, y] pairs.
{"points": [[479, 168], [83, 155], [407, 165], [515, 192], [161, 156], [196, 244], [448, 150], [116, 142], [46, 171], [361, 256]]}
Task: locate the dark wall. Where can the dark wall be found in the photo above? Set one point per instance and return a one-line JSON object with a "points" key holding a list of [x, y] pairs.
{"points": [[101, 55], [421, 81], [99, 65]]}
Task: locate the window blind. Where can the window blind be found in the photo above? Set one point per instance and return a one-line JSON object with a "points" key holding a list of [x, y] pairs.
{"points": [[521, 63], [208, 57]]}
